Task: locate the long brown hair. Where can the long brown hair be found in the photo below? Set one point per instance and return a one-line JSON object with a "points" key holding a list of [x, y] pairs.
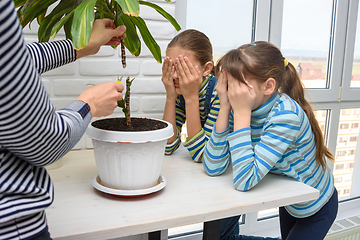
{"points": [[263, 60], [196, 42]]}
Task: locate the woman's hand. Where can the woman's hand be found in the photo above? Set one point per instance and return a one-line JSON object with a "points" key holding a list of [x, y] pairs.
{"points": [[102, 98], [104, 32], [167, 78], [190, 78]]}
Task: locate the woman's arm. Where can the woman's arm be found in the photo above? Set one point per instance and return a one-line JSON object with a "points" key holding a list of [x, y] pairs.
{"points": [[49, 55]]}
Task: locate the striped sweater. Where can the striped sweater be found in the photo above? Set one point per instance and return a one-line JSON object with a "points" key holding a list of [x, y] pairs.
{"points": [[32, 133], [196, 145], [280, 141]]}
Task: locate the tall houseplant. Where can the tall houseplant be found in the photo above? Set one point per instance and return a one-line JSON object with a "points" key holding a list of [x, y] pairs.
{"points": [[125, 159], [76, 18]]}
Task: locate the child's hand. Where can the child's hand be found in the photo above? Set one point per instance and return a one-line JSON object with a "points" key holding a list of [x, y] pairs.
{"points": [[167, 78], [241, 96], [190, 78], [222, 89]]}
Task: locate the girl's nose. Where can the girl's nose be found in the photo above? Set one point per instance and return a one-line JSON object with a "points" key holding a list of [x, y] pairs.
{"points": [[175, 76]]}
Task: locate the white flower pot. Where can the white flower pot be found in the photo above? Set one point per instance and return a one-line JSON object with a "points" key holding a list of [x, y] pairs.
{"points": [[129, 160]]}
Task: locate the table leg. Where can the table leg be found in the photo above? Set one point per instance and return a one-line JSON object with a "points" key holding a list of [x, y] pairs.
{"points": [[211, 230], [154, 235]]}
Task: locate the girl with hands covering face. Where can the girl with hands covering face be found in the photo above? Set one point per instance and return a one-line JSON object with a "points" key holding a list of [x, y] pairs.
{"points": [[271, 128], [186, 75]]}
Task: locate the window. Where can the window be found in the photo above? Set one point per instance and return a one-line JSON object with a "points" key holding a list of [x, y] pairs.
{"points": [[353, 139], [339, 166], [341, 153], [352, 152], [305, 39], [342, 139], [338, 179], [345, 112], [346, 153], [230, 12], [355, 75]]}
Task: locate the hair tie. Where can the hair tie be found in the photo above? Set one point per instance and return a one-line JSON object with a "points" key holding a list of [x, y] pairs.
{"points": [[286, 62]]}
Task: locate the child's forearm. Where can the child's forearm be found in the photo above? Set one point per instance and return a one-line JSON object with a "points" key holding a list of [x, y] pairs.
{"points": [[193, 123], [242, 119], [170, 116], [222, 122]]}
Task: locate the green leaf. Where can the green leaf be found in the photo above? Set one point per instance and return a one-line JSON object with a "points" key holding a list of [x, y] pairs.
{"points": [[132, 41], [82, 23], [45, 29], [41, 17], [121, 103], [67, 27], [163, 13], [147, 37], [129, 7], [32, 10], [19, 3], [60, 23]]}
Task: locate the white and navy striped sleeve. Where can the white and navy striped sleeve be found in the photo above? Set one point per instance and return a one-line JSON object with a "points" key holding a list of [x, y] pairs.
{"points": [[49, 55]]}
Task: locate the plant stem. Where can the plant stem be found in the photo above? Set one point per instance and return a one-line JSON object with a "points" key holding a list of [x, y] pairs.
{"points": [[127, 103]]}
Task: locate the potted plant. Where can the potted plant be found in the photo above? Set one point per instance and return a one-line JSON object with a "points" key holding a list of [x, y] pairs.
{"points": [[127, 158]]}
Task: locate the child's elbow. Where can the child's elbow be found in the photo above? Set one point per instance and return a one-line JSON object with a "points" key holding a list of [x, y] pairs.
{"points": [[241, 187]]}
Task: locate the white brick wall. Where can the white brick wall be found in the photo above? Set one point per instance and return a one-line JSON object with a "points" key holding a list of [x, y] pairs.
{"points": [[148, 93]]}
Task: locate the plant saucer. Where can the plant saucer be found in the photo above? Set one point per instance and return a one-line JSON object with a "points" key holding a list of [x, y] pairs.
{"points": [[97, 184]]}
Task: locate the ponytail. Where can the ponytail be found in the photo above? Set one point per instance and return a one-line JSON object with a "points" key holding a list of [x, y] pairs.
{"points": [[293, 87]]}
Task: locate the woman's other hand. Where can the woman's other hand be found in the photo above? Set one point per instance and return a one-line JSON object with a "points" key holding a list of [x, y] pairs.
{"points": [[102, 98]]}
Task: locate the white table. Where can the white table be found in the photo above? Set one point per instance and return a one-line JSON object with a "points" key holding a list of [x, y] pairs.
{"points": [[190, 196]]}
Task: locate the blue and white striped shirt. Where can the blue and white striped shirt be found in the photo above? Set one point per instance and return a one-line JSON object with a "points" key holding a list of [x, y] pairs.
{"points": [[280, 141], [32, 133]]}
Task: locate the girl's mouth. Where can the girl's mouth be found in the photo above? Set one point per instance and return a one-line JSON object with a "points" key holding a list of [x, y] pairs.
{"points": [[176, 84]]}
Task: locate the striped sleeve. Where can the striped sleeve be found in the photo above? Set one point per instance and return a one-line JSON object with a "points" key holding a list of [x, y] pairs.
{"points": [[216, 157], [49, 55], [251, 163], [180, 121], [196, 145]]}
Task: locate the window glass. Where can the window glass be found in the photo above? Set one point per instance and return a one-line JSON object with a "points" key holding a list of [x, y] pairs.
{"points": [[346, 150], [219, 20], [305, 39], [355, 77]]}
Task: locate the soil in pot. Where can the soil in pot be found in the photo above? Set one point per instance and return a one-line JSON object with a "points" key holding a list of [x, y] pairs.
{"points": [[138, 124]]}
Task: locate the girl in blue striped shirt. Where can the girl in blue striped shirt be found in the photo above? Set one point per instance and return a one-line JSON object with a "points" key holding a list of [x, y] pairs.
{"points": [[266, 125]]}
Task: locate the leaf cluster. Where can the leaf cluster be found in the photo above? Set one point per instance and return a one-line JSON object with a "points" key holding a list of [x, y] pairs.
{"points": [[77, 16]]}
